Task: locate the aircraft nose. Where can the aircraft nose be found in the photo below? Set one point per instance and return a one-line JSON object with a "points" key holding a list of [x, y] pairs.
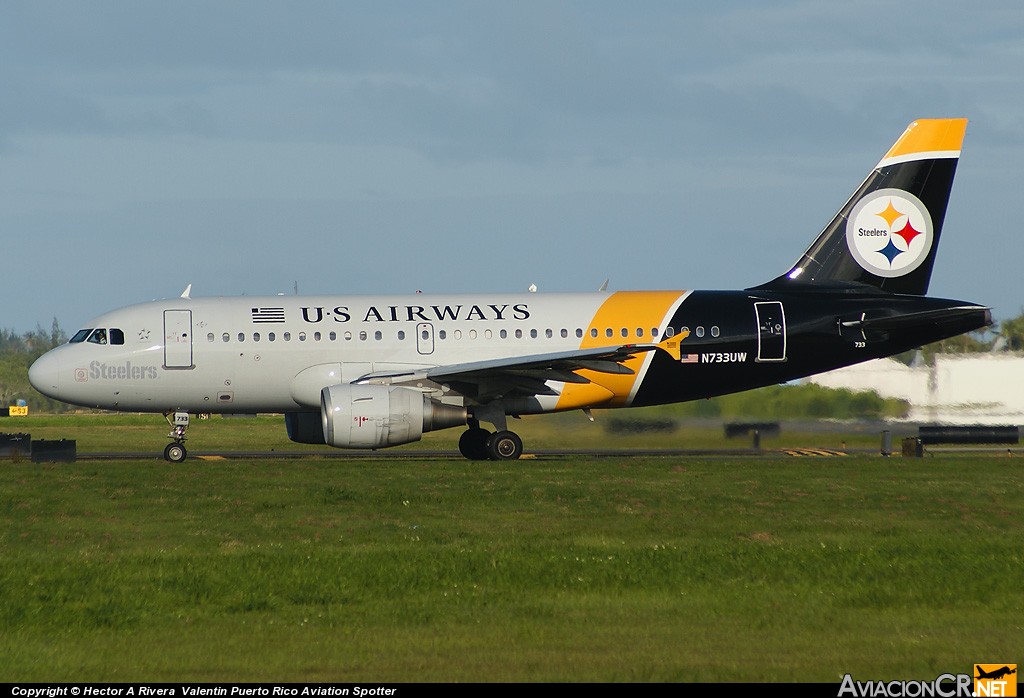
{"points": [[44, 374]]}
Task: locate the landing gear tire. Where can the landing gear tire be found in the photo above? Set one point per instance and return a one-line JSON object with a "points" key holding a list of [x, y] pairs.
{"points": [[473, 443], [175, 453], [504, 445]]}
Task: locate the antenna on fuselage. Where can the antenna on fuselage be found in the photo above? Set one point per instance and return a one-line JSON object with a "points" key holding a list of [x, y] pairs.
{"points": [[187, 292]]}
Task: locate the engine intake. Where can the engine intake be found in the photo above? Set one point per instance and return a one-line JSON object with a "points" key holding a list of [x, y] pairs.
{"points": [[376, 416]]}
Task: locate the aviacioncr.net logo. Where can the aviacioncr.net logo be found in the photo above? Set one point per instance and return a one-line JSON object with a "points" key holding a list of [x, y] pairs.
{"points": [[889, 232]]}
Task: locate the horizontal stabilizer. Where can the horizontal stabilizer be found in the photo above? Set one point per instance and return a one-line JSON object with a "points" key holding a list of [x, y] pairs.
{"points": [[926, 317]]}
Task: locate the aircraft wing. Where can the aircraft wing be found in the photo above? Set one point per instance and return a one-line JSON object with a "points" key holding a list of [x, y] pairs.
{"points": [[521, 375]]}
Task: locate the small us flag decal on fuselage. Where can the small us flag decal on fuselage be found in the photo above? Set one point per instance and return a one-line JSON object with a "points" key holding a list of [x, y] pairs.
{"points": [[689, 358], [268, 314]]}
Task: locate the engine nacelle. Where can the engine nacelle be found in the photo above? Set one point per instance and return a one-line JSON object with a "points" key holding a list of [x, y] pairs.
{"points": [[375, 416]]}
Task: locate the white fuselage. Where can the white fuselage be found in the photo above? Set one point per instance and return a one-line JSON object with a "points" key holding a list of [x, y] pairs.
{"points": [[276, 353]]}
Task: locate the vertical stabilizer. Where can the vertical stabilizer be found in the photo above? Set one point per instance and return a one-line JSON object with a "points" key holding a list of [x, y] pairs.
{"points": [[887, 234]]}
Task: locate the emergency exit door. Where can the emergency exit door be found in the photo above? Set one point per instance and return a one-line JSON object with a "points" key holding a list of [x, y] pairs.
{"points": [[425, 338]]}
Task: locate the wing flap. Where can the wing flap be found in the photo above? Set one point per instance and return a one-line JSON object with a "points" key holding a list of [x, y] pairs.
{"points": [[520, 375]]}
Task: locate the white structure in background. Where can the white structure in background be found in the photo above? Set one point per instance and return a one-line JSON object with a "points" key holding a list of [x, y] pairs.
{"points": [[958, 389]]}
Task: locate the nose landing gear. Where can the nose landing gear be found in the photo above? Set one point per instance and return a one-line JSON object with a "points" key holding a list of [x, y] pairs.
{"points": [[175, 452]]}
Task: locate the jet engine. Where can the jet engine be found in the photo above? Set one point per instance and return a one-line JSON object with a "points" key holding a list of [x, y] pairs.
{"points": [[375, 416]]}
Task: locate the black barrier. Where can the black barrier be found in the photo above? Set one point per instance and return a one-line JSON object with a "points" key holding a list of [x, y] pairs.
{"points": [[735, 429], [62, 451], [913, 448], [15, 445], [973, 434]]}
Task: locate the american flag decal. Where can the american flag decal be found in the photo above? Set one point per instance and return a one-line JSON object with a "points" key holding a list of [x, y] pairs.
{"points": [[689, 358], [268, 315]]}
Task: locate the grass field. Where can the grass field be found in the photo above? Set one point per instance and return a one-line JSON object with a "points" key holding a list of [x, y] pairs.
{"points": [[562, 569]]}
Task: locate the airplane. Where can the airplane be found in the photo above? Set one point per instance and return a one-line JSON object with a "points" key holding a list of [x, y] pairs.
{"points": [[994, 674], [369, 372]]}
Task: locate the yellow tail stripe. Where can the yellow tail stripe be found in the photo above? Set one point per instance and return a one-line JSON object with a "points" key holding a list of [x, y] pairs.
{"points": [[929, 136]]}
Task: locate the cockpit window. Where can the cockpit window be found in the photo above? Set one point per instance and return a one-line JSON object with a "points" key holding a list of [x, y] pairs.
{"points": [[98, 336], [80, 336], [116, 336]]}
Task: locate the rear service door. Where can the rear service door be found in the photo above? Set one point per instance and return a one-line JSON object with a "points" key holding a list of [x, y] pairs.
{"points": [[771, 331], [178, 339]]}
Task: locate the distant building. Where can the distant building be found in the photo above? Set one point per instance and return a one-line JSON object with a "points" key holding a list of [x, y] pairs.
{"points": [[958, 389]]}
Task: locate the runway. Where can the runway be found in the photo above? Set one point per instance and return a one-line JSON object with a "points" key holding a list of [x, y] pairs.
{"points": [[436, 455]]}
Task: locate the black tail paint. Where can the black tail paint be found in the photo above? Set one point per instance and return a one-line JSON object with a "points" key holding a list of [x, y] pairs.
{"points": [[886, 235]]}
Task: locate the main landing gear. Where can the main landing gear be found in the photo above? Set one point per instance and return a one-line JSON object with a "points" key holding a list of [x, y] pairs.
{"points": [[477, 443], [175, 452]]}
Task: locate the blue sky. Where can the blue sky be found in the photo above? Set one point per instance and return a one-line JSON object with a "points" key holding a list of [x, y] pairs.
{"points": [[458, 147]]}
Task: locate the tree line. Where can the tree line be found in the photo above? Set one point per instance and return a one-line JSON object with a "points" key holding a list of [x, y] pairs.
{"points": [[17, 352], [1004, 335]]}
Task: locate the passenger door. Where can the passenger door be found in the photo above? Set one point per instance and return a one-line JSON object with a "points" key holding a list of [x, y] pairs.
{"points": [[178, 339]]}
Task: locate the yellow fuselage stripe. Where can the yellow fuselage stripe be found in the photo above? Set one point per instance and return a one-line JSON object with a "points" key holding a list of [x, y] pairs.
{"points": [[625, 309]]}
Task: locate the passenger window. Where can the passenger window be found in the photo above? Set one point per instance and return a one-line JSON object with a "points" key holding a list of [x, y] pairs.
{"points": [[639, 331], [593, 332], [348, 336], [548, 334], [401, 334], [317, 336], [700, 330], [487, 334], [457, 335], [287, 336], [624, 332], [654, 331], [377, 335], [362, 336], [714, 331], [241, 337], [670, 332], [117, 336], [226, 337], [565, 333], [334, 336], [255, 336], [98, 336], [503, 334], [533, 334], [472, 334], [210, 337], [440, 333], [271, 336], [79, 336], [519, 334], [302, 336], [579, 333], [608, 332]]}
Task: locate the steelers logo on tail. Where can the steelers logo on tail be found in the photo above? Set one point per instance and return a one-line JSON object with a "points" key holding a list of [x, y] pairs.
{"points": [[889, 232]]}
